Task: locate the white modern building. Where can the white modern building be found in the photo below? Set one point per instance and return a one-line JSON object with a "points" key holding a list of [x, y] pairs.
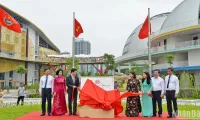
{"points": [[177, 32]]}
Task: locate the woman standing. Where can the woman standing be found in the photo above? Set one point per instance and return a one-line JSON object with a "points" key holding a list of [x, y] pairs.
{"points": [[133, 103], [147, 107], [59, 102]]}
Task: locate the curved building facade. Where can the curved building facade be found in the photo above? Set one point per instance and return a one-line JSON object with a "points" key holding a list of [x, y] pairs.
{"points": [[176, 33], [28, 48]]}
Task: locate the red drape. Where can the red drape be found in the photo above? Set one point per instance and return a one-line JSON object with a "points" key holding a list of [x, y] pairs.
{"points": [[97, 98]]}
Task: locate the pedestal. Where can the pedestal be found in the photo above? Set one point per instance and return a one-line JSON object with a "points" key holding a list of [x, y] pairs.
{"points": [[87, 111]]}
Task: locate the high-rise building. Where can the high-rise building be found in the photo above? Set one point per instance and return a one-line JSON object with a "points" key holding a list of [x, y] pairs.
{"points": [[82, 47]]}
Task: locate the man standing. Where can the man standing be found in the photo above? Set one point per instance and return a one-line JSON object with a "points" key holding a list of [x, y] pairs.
{"points": [[157, 92], [46, 91], [172, 89], [72, 82]]}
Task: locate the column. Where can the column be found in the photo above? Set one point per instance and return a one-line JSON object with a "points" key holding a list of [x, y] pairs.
{"points": [[119, 70], [129, 66]]}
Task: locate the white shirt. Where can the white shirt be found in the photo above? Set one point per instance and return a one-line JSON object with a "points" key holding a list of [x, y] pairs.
{"points": [[158, 84], [21, 91], [173, 83], [49, 82]]}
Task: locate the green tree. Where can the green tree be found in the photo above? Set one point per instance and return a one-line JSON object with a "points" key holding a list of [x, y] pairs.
{"points": [[69, 63], [21, 70], [135, 68], [109, 61], [170, 59]]}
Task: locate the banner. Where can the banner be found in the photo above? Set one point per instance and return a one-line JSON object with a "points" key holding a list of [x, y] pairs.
{"points": [[107, 83]]}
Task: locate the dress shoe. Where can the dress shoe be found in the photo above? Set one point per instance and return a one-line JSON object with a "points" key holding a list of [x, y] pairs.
{"points": [[169, 116], [75, 114], [69, 114], [42, 114], [154, 116], [159, 115], [49, 114]]}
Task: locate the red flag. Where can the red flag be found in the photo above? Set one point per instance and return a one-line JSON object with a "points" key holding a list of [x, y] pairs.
{"points": [[77, 28], [145, 29], [7, 21]]}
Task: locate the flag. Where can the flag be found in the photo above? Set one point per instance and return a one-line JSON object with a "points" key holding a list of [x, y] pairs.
{"points": [[77, 28], [7, 21], [145, 29]]}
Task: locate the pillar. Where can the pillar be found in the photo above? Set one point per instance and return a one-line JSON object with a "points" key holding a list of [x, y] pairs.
{"points": [[129, 66], [119, 70]]}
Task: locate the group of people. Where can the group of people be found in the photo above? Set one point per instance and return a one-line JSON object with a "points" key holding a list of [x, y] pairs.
{"points": [[58, 87], [152, 91]]}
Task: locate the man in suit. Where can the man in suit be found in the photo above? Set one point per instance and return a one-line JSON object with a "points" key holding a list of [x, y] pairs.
{"points": [[72, 82]]}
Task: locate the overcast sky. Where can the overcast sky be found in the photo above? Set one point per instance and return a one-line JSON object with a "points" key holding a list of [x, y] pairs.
{"points": [[106, 23]]}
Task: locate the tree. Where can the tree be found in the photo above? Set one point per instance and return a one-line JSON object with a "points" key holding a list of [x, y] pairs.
{"points": [[170, 58], [69, 63], [21, 70], [135, 68], [109, 61]]}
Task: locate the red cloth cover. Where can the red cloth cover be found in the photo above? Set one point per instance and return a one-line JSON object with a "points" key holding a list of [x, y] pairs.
{"points": [[98, 98]]}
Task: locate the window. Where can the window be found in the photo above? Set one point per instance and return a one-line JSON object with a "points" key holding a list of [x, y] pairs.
{"points": [[158, 43], [165, 42], [195, 38]]}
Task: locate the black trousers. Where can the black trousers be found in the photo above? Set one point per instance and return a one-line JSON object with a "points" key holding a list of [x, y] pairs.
{"points": [[74, 102], [20, 98], [157, 99], [170, 96], [46, 95], [139, 105]]}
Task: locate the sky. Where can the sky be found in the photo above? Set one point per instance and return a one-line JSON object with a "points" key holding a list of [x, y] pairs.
{"points": [[106, 23]]}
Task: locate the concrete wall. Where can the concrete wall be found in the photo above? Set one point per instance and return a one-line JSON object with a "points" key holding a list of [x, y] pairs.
{"points": [[31, 73], [194, 57]]}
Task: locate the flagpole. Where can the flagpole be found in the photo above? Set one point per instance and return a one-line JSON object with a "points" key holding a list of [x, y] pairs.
{"points": [[149, 42], [73, 41]]}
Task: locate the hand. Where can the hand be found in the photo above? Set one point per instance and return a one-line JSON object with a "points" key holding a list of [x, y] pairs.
{"points": [[54, 94], [142, 92], [139, 93], [148, 92], [162, 96], [74, 86], [40, 94], [175, 96]]}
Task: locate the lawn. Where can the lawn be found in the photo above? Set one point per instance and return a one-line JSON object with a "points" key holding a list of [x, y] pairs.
{"points": [[186, 111]]}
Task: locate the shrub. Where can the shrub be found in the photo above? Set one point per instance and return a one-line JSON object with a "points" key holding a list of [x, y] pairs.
{"points": [[189, 93]]}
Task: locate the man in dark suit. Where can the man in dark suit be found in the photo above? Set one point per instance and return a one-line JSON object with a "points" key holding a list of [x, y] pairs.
{"points": [[72, 82]]}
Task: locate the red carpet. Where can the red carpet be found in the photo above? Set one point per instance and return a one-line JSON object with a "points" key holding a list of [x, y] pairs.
{"points": [[36, 116]]}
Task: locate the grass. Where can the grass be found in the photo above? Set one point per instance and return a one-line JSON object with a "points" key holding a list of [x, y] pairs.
{"points": [[186, 111]]}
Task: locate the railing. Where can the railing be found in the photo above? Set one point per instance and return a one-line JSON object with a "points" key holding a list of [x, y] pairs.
{"points": [[154, 50], [187, 43], [175, 64], [83, 60]]}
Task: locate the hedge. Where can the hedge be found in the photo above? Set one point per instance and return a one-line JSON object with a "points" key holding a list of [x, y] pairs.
{"points": [[189, 93]]}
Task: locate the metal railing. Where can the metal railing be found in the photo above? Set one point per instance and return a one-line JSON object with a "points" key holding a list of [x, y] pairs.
{"points": [[175, 64], [154, 50]]}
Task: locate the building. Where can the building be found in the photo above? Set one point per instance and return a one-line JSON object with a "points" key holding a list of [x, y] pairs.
{"points": [[175, 33], [82, 47], [28, 48]]}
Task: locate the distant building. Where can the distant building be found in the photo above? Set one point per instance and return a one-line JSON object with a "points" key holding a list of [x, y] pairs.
{"points": [[82, 47]]}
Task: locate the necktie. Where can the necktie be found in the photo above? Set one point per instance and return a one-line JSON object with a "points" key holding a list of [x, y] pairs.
{"points": [[168, 82], [46, 82]]}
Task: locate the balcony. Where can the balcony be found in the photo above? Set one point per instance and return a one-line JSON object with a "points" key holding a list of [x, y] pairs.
{"points": [[180, 46], [175, 64]]}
